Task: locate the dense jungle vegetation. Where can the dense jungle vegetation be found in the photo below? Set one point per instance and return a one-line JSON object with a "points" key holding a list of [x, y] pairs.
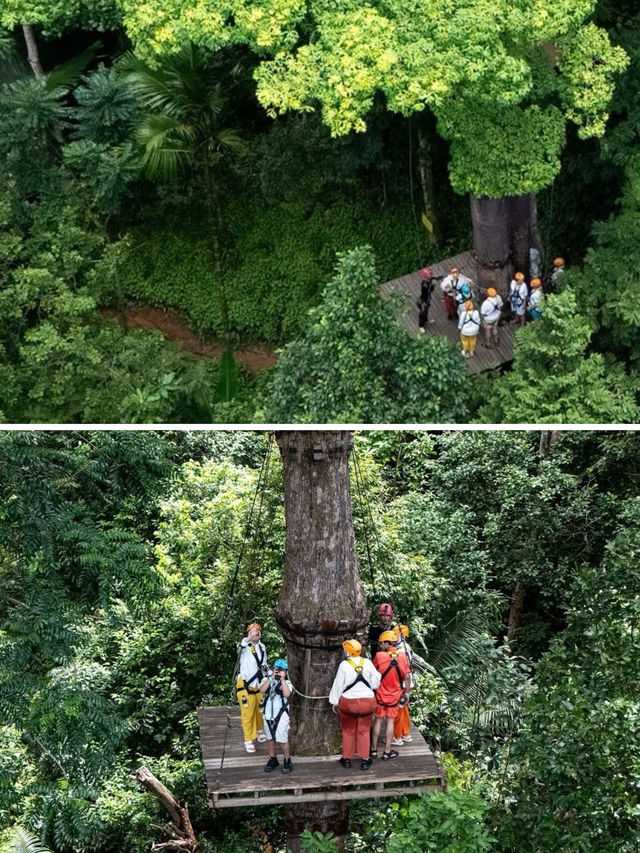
{"points": [[262, 168], [516, 569]]}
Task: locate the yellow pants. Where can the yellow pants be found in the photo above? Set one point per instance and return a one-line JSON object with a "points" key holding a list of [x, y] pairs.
{"points": [[250, 715], [468, 342]]}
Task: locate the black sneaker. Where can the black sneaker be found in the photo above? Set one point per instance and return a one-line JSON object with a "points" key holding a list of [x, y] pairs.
{"points": [[346, 762], [271, 764], [366, 763], [287, 766]]}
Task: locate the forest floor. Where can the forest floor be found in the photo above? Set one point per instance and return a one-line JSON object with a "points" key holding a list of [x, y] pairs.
{"points": [[174, 328]]}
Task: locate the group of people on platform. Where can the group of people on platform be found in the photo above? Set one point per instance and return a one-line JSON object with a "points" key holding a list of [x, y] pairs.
{"points": [[462, 303], [365, 692]]}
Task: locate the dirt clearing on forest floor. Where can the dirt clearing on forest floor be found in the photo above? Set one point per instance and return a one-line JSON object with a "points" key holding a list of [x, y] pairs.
{"points": [[174, 328]]}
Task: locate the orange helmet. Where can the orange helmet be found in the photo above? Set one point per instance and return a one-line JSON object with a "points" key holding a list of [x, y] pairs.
{"points": [[252, 626], [352, 647], [388, 637], [558, 262], [491, 291], [519, 276], [535, 282], [468, 305]]}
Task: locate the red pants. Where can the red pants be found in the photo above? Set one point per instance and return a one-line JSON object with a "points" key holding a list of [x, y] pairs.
{"points": [[450, 305], [401, 724], [355, 720]]}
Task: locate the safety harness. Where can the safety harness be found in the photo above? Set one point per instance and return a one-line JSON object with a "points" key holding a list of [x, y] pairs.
{"points": [[392, 666], [358, 667], [259, 661], [284, 708]]}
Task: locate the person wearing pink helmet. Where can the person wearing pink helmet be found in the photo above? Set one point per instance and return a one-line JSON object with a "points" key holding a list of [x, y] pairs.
{"points": [[427, 286], [385, 623]]}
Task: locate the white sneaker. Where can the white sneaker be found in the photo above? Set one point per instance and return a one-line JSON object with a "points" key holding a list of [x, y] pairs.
{"points": [[250, 746], [407, 738], [261, 737], [397, 741]]}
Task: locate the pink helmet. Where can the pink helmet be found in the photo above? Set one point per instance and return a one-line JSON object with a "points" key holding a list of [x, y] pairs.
{"points": [[425, 272], [385, 610]]}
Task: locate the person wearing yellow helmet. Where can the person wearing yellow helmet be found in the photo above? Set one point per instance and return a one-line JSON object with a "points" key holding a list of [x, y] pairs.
{"points": [[490, 312], [535, 299], [393, 667], [468, 326], [518, 294], [253, 672], [352, 698]]}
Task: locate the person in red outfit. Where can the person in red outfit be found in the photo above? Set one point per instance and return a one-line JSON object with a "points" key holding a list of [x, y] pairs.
{"points": [[353, 700], [393, 667]]}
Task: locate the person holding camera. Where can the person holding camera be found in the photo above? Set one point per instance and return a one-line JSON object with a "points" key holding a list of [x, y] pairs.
{"points": [[278, 690], [254, 673]]}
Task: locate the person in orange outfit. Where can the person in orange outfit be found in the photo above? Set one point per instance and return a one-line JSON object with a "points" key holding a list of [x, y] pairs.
{"points": [[353, 700], [402, 723], [393, 667]]}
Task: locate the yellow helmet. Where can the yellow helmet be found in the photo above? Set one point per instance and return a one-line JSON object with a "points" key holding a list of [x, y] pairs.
{"points": [[519, 276], [535, 282], [388, 637], [352, 647], [254, 625], [491, 291], [404, 630], [468, 305]]}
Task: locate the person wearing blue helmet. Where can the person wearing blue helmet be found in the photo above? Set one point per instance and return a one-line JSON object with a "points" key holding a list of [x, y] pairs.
{"points": [[277, 690]]}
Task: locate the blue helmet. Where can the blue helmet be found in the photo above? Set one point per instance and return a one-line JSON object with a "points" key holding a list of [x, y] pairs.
{"points": [[281, 664], [465, 290]]}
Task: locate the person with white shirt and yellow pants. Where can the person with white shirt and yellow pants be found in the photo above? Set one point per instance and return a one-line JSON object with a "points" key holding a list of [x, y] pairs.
{"points": [[254, 670]]}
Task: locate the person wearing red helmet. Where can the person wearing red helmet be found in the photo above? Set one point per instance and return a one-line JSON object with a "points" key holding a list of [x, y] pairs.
{"points": [[385, 616]]}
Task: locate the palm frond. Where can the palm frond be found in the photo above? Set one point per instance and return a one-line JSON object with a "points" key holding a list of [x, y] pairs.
{"points": [[23, 842], [64, 76]]}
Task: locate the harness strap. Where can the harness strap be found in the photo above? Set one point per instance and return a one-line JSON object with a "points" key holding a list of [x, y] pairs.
{"points": [[259, 661], [359, 677], [392, 665]]}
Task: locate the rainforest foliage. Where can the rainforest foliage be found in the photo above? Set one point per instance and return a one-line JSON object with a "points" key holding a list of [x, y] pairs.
{"points": [[515, 565], [231, 160]]}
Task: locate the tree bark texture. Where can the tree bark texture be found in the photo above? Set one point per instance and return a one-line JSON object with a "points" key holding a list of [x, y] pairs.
{"points": [[321, 603], [33, 54], [491, 242], [183, 837]]}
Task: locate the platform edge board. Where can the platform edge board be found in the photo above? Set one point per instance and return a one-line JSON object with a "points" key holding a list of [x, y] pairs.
{"points": [[217, 802]]}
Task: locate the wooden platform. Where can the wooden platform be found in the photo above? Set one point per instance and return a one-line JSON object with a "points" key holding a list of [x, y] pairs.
{"points": [[409, 286], [240, 780]]}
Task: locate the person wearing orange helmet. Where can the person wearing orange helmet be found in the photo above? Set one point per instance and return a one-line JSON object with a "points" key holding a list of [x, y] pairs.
{"points": [[402, 723], [518, 294], [558, 272], [393, 667], [535, 299], [468, 326], [254, 671], [490, 312], [352, 698]]}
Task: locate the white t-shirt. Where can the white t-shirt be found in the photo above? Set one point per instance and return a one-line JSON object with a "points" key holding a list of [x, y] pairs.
{"points": [[518, 296], [469, 322], [491, 308], [250, 663], [346, 674], [535, 299]]}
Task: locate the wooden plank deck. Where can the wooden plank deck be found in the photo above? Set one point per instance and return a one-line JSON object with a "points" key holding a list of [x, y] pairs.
{"points": [[409, 286], [239, 779]]}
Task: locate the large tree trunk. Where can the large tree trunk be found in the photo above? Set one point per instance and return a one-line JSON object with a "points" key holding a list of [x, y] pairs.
{"points": [[321, 602], [32, 50], [504, 229], [491, 242]]}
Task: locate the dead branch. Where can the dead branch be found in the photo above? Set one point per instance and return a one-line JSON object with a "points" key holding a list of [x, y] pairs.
{"points": [[181, 827]]}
